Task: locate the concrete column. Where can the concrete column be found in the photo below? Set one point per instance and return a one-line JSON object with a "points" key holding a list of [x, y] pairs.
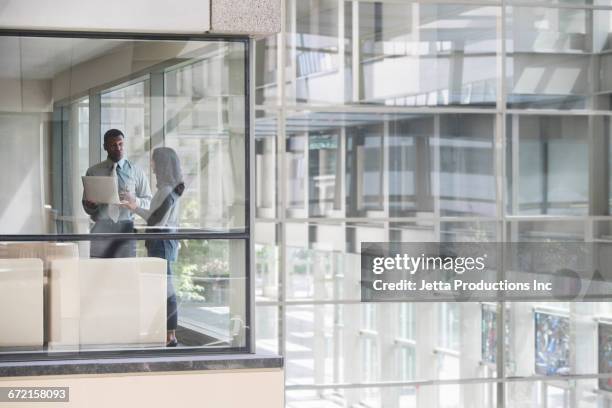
{"points": [[245, 17]]}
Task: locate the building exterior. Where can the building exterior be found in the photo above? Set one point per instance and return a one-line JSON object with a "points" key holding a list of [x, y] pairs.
{"points": [[304, 128], [442, 121]]}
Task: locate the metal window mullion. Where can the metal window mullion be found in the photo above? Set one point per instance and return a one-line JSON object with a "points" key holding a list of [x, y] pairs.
{"points": [[156, 109], [127, 236], [281, 198], [437, 382], [385, 153], [500, 146], [531, 4], [95, 125], [437, 177], [515, 151], [356, 73], [419, 110], [382, 220], [341, 48], [294, 38], [250, 191]]}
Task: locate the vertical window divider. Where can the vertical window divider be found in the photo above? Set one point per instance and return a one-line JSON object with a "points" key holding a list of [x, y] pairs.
{"points": [[250, 192], [157, 114], [95, 121]]}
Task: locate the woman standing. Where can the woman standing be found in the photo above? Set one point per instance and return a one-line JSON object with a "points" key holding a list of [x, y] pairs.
{"points": [[164, 215]]}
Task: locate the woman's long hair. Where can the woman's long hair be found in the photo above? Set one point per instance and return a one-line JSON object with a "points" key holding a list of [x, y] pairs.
{"points": [[168, 169]]}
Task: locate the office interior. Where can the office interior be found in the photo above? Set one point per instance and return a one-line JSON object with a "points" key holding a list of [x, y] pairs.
{"points": [[60, 95]]}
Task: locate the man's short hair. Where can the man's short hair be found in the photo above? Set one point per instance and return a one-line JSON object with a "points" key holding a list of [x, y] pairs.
{"points": [[112, 133]]}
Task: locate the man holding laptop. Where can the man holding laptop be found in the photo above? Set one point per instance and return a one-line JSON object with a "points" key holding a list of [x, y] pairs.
{"points": [[132, 183]]}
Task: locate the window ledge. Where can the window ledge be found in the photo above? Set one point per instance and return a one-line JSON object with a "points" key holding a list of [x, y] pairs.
{"points": [[140, 365]]}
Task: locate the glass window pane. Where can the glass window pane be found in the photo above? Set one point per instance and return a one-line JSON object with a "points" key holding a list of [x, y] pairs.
{"points": [[558, 58], [541, 178], [436, 54], [394, 165], [562, 3], [188, 96], [72, 125], [442, 396], [320, 337], [550, 338], [466, 154], [316, 267], [266, 172], [267, 272], [266, 55], [66, 301], [544, 230], [267, 323], [205, 123], [127, 108], [316, 71]]}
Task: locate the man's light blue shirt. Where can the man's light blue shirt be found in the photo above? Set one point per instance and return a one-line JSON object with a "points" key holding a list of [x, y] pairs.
{"points": [[130, 178]]}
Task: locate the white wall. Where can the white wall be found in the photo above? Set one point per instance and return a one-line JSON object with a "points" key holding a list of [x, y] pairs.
{"points": [[166, 16], [260, 17], [215, 389], [21, 157], [25, 96]]}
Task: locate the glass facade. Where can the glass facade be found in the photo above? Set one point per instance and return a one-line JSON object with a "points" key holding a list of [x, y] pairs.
{"points": [[426, 121]]}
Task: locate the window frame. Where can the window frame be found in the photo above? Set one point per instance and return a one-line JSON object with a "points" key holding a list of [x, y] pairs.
{"points": [[240, 234]]}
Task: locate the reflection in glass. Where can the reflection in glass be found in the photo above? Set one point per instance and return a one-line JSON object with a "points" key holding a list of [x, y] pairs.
{"points": [[364, 170], [265, 70], [297, 174], [411, 161], [480, 231], [542, 230], [267, 283], [543, 180], [394, 165], [188, 95], [265, 164], [409, 396], [432, 174], [417, 54], [204, 104], [552, 348], [466, 169], [323, 168], [267, 323], [127, 108], [70, 159], [317, 67], [558, 58]]}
